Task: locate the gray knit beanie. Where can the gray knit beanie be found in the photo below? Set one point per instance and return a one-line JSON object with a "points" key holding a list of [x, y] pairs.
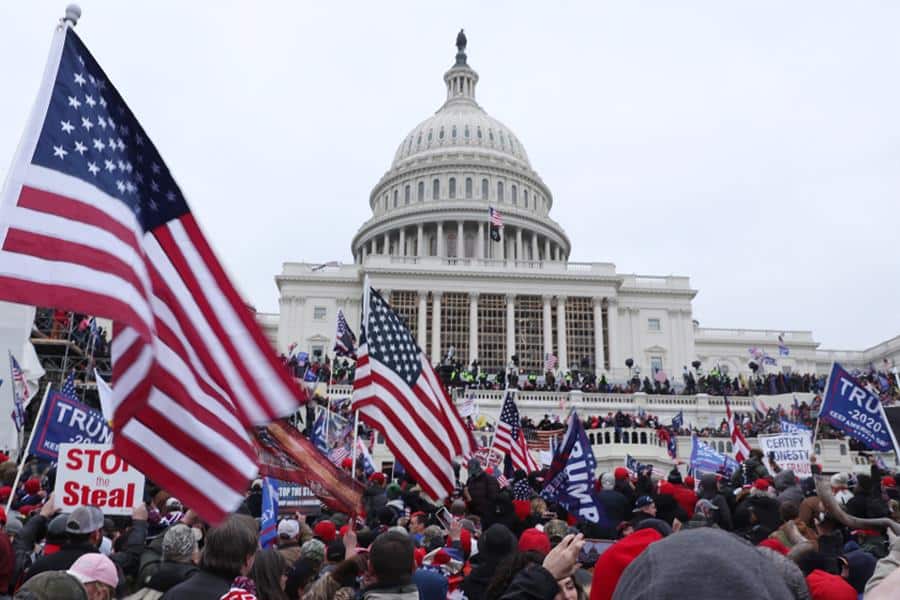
{"points": [[178, 544]]}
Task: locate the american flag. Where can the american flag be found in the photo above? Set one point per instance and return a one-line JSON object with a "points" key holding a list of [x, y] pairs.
{"points": [[510, 438], [550, 362], [344, 340], [93, 222], [338, 454], [397, 392], [495, 218], [68, 386], [738, 441], [543, 440], [20, 392]]}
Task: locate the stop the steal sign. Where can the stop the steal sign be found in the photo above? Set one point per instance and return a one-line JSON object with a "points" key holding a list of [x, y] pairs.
{"points": [[94, 475]]}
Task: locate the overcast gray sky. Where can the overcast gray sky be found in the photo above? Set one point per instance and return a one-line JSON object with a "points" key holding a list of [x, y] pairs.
{"points": [[752, 146]]}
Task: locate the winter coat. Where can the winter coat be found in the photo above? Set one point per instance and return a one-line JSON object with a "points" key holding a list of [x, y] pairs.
{"points": [[885, 566], [615, 507], [408, 591], [686, 499], [483, 490], [204, 585], [374, 499], [535, 583]]}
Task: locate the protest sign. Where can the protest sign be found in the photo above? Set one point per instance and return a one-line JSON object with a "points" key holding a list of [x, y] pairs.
{"points": [[65, 420], [293, 497], [856, 411], [790, 450], [94, 475]]}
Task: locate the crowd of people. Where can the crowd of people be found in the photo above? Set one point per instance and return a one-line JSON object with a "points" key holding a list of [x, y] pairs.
{"points": [[79, 328], [762, 533]]}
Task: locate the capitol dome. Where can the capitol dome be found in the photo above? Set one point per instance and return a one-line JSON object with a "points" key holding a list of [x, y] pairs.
{"points": [[447, 173]]}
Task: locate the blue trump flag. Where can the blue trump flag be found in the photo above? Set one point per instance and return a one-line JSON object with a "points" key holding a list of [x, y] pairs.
{"points": [[268, 523], [792, 427], [678, 420], [570, 480], [317, 436], [704, 459], [66, 420], [856, 411]]}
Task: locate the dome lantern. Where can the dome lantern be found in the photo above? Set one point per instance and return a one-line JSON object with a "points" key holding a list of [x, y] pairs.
{"points": [[461, 78]]}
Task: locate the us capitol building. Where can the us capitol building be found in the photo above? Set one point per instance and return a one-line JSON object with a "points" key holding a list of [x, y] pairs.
{"points": [[427, 247]]}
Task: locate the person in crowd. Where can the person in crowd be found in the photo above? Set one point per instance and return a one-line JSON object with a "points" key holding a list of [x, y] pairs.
{"points": [[229, 552], [52, 585], [391, 566], [481, 490], [97, 574], [289, 539], [180, 553], [374, 498], [840, 489], [709, 490], [788, 488], [644, 508], [615, 505], [496, 544], [685, 496], [269, 574]]}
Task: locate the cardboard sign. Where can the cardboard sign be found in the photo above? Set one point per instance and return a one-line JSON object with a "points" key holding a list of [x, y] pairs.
{"points": [[94, 475], [791, 451]]}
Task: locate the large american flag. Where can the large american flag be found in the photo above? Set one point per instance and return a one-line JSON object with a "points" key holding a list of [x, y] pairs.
{"points": [[510, 438], [344, 339], [495, 218], [92, 221], [738, 441], [397, 392]]}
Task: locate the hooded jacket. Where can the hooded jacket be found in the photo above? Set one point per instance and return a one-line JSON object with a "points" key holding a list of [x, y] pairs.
{"points": [[497, 543], [709, 490]]}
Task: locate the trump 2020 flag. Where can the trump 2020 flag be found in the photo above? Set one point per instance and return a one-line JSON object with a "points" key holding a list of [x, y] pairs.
{"points": [[65, 420], [705, 459], [570, 480], [92, 221], [856, 411], [268, 524]]}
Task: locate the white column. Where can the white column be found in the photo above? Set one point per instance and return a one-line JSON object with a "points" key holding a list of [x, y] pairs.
{"points": [[555, 252], [501, 245], [519, 244], [675, 346], [473, 326], [546, 248], [402, 251], [422, 321], [534, 246], [547, 328], [479, 244], [387, 243], [420, 240], [460, 247], [634, 318], [561, 333], [364, 252], [616, 359], [510, 325], [440, 240], [435, 327], [687, 339], [599, 356]]}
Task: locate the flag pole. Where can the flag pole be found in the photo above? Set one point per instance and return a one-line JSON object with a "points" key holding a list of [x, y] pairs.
{"points": [[890, 431], [23, 452], [365, 319], [818, 416]]}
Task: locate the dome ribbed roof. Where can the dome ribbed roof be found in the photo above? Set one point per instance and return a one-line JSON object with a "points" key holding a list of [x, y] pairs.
{"points": [[461, 125]]}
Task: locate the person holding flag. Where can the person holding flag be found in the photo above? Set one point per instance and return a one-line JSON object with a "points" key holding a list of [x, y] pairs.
{"points": [[510, 437]]}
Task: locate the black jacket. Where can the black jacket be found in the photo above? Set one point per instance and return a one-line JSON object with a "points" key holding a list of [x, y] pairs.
{"points": [[169, 575], [60, 560], [201, 586], [483, 490], [535, 583]]}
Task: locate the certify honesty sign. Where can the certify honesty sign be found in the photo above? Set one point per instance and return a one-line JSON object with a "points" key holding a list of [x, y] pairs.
{"points": [[94, 475], [790, 451]]}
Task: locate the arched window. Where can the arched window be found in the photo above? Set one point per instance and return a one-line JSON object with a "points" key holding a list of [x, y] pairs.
{"points": [[406, 194], [430, 135], [514, 192], [451, 245], [491, 135], [479, 133], [395, 198], [484, 189], [421, 191], [436, 189], [499, 191], [468, 188], [453, 132], [419, 140], [525, 197], [466, 132], [452, 187], [441, 134]]}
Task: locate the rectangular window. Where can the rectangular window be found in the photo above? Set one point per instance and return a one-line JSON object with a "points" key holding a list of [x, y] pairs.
{"points": [[529, 315], [484, 189], [406, 195], [653, 325], [319, 313], [656, 364], [468, 187], [421, 193], [453, 187], [492, 332], [580, 333], [436, 189]]}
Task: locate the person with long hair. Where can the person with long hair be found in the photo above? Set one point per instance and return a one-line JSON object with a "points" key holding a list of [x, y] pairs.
{"points": [[270, 572]]}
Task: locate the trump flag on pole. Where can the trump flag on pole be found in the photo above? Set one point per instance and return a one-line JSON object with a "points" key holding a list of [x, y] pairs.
{"points": [[856, 411], [92, 221]]}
